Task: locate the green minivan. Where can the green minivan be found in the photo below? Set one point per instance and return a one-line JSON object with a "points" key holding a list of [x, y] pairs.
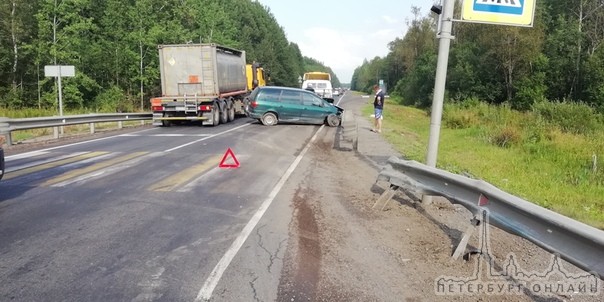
{"points": [[273, 104]]}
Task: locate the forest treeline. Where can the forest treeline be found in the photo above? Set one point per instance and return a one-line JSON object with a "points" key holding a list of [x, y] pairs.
{"points": [[560, 58], [113, 46]]}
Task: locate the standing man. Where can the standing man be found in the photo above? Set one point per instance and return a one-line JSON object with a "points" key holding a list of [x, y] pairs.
{"points": [[378, 106]]}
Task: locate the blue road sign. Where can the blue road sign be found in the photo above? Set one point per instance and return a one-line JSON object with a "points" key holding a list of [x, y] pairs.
{"points": [[512, 7], [510, 12]]}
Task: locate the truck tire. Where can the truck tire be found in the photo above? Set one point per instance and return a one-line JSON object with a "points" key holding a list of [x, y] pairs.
{"points": [[165, 123], [224, 114], [231, 108], [215, 115], [269, 119]]}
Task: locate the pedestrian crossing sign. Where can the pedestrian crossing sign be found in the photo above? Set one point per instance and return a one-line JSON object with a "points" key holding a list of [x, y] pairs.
{"points": [[505, 12]]}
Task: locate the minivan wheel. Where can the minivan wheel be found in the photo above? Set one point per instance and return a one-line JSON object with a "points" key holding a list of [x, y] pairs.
{"points": [[269, 119], [333, 120]]}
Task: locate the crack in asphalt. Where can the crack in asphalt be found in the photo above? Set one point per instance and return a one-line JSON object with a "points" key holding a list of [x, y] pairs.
{"points": [[271, 256], [254, 291]]}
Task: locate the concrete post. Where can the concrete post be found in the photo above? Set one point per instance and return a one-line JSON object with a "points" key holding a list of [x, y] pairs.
{"points": [[444, 43]]}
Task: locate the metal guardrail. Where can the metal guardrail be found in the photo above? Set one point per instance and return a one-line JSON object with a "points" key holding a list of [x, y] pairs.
{"points": [[8, 125], [576, 242]]}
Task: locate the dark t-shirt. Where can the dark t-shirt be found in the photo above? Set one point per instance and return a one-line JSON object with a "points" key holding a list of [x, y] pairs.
{"points": [[378, 102]]}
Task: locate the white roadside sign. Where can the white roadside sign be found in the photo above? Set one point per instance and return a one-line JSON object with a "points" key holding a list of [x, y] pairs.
{"points": [[59, 71]]}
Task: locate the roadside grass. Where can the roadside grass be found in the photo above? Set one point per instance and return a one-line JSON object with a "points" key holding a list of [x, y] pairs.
{"points": [[521, 153]]}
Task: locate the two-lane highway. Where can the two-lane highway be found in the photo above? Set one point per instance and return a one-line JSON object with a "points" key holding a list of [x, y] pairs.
{"points": [[141, 216]]}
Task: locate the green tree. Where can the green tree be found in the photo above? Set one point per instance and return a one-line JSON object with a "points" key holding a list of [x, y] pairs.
{"points": [[64, 29], [17, 27], [417, 86], [113, 46]]}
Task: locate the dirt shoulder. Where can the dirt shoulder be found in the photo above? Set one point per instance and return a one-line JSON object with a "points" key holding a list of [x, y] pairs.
{"points": [[342, 249]]}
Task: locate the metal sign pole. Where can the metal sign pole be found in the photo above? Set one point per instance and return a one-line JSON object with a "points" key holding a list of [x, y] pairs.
{"points": [[444, 43], [59, 72], [60, 94]]}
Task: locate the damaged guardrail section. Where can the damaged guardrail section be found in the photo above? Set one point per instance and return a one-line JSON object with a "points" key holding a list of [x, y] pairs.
{"points": [[576, 242]]}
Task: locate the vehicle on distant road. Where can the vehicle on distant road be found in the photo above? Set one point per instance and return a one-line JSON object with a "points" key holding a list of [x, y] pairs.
{"points": [[320, 82], [271, 105]]}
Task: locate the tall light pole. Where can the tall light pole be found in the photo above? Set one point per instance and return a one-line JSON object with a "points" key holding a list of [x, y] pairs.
{"points": [[444, 43]]}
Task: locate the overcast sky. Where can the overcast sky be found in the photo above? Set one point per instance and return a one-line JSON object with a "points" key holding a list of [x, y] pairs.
{"points": [[340, 33]]}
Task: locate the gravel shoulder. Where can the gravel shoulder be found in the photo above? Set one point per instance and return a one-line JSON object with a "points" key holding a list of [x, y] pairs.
{"points": [[341, 249]]}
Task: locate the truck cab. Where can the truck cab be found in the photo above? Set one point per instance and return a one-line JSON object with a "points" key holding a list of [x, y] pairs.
{"points": [[320, 82], [256, 76]]}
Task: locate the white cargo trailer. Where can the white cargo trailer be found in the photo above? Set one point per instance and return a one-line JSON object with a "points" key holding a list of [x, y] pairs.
{"points": [[200, 82]]}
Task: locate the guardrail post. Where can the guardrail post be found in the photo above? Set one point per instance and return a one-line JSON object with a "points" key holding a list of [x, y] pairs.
{"points": [[55, 132], [461, 247], [386, 196], [120, 125], [91, 128], [5, 130]]}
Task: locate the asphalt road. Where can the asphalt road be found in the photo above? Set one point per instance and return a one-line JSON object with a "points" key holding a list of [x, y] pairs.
{"points": [[149, 215]]}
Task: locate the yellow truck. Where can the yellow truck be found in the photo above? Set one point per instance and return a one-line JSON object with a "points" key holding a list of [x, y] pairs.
{"points": [[203, 82], [316, 75]]}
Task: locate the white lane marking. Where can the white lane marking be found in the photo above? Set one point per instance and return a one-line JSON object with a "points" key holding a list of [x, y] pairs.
{"points": [[33, 153], [207, 137], [205, 293], [167, 135], [24, 155]]}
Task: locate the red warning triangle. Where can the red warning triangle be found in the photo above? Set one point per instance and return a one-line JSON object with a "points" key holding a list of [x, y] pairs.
{"points": [[223, 163], [482, 200]]}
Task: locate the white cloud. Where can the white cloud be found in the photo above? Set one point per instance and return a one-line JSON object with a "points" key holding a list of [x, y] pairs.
{"points": [[333, 48], [340, 35], [390, 20], [344, 51]]}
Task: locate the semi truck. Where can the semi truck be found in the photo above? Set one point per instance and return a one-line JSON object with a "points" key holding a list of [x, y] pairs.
{"points": [[203, 82], [320, 82]]}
